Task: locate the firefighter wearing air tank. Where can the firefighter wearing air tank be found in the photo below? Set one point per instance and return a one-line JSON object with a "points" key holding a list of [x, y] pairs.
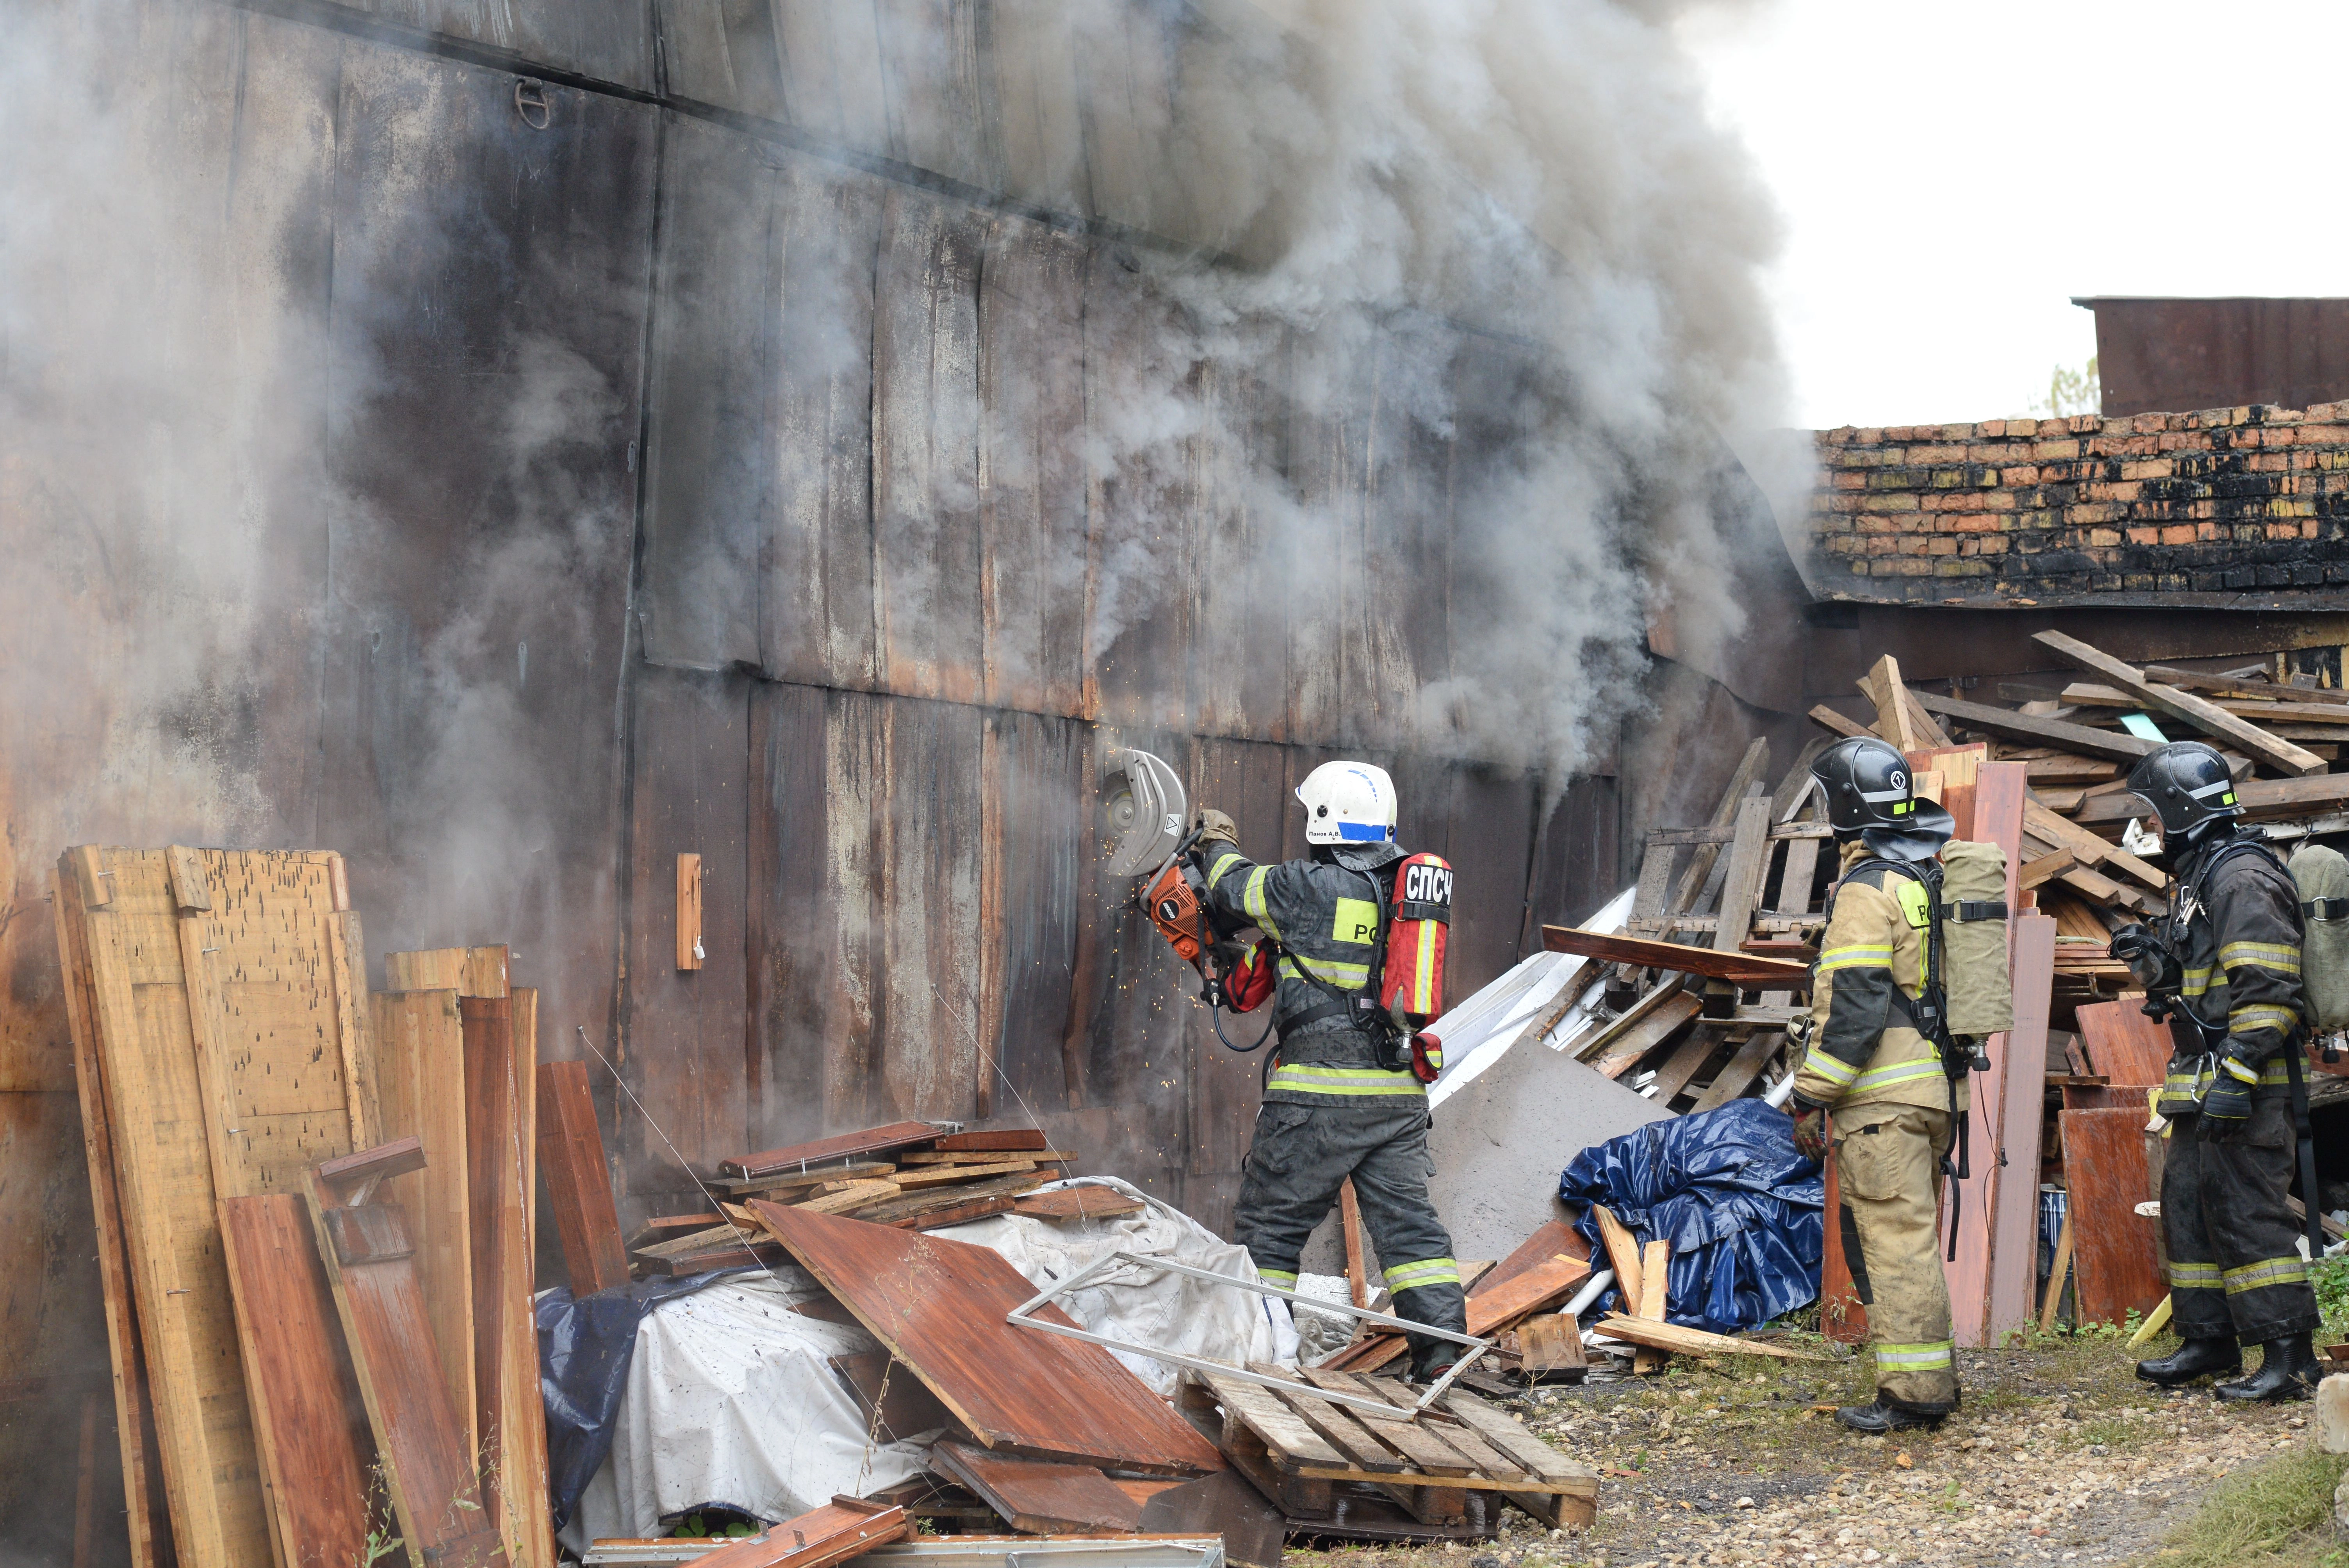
{"points": [[1356, 936], [2224, 964], [1884, 1061]]}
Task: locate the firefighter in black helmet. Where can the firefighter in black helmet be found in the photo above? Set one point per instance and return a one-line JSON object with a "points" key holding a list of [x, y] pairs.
{"points": [[2224, 964], [1894, 1101]]}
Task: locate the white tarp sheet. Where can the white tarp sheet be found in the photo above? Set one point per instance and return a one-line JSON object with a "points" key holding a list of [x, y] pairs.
{"points": [[732, 1400], [1145, 1306]]}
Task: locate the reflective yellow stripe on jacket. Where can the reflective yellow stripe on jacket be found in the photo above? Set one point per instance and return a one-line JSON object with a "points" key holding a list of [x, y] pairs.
{"points": [[1304, 1077]]}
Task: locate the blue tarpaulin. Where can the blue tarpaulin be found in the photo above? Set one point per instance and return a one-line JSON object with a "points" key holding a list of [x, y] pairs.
{"points": [[1728, 1191]]}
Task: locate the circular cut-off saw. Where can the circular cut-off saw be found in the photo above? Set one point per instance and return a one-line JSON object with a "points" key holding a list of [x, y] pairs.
{"points": [[1146, 811], [1148, 817]]}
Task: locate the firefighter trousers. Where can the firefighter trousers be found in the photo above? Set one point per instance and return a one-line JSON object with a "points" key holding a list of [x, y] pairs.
{"points": [[2235, 1264], [1301, 1154], [1889, 1176]]}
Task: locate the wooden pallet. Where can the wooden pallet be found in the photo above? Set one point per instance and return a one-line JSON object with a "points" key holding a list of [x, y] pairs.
{"points": [[1451, 1465]]}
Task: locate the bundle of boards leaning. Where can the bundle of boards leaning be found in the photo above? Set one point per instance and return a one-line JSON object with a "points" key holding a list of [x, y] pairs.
{"points": [[313, 1217]]}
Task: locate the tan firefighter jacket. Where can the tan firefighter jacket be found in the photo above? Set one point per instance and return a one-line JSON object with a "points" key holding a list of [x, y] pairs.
{"points": [[1862, 1050]]}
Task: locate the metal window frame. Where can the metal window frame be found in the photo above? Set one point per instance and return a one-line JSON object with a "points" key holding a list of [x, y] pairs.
{"points": [[1021, 1317]]}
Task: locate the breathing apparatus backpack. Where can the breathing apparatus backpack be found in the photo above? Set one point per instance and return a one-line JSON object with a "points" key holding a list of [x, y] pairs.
{"points": [[2321, 875], [1959, 903]]}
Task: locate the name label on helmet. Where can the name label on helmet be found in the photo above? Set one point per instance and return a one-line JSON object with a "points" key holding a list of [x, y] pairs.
{"points": [[1427, 884]]}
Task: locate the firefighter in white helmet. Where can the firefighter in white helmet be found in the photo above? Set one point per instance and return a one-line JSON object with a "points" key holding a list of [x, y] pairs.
{"points": [[1347, 1094]]}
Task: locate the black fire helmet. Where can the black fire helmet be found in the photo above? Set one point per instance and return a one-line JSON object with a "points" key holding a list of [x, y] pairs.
{"points": [[1869, 798], [2187, 784]]}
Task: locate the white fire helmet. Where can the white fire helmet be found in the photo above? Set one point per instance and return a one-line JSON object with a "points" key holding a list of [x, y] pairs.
{"points": [[1348, 803]]}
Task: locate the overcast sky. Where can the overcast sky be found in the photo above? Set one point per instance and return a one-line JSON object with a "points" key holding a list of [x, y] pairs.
{"points": [[1950, 175]]}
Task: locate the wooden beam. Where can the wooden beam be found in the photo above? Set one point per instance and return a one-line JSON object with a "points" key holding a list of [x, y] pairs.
{"points": [[2046, 868], [689, 912], [1749, 861], [578, 1181], [1850, 728], [1694, 1341], [1622, 1254], [1739, 1070], [2203, 714], [1349, 1216], [2258, 690], [2014, 726], [1741, 967], [2259, 797], [420, 1082]]}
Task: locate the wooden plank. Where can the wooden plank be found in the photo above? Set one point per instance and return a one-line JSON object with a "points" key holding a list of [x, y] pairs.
{"points": [[2123, 1045], [1653, 1018], [2060, 1270], [1077, 1204], [429, 1473], [1537, 1457], [689, 912], [1038, 1495], [991, 1140], [1655, 878], [2087, 846], [939, 1306], [802, 1179], [578, 1179], [991, 1196], [2115, 1254], [1842, 1318], [510, 1417], [870, 1141], [1653, 1260], [1749, 861], [1293, 1442], [2179, 702], [1686, 1062], [189, 892], [142, 1482], [523, 1459], [1741, 1070], [1694, 1341], [1742, 780], [1550, 1342], [421, 1084], [159, 1112], [1622, 1254], [1743, 968], [2046, 868], [1881, 686], [1422, 1444], [467, 971], [1350, 1229], [1850, 728], [1039, 1156], [1335, 1424], [841, 1530], [314, 1462], [1490, 1310], [2022, 1057], [947, 1175], [1550, 1239], [2259, 688], [2008, 724]]}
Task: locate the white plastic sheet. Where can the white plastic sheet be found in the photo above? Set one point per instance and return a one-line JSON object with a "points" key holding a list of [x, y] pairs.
{"points": [[732, 1400], [1145, 1306]]}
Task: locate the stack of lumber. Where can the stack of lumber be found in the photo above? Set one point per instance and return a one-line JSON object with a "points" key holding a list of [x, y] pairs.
{"points": [[910, 1175], [310, 1202]]}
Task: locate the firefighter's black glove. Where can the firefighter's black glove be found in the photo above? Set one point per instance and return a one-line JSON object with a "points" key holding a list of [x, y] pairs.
{"points": [[1810, 1131], [2230, 1098], [2150, 963], [1214, 828]]}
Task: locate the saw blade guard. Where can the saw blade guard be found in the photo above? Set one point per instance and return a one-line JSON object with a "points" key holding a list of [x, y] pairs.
{"points": [[1145, 811]]}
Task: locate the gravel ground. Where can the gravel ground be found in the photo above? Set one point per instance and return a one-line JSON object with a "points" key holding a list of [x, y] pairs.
{"points": [[2059, 1456]]}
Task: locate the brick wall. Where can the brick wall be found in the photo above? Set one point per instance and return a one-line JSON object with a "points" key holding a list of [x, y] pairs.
{"points": [[2227, 505]]}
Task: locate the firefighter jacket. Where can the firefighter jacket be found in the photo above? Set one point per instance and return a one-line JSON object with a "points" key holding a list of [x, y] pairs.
{"points": [[1863, 1051], [1325, 914], [2233, 926]]}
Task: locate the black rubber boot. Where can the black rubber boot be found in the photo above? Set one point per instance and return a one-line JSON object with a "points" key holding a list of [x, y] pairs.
{"points": [[2287, 1371], [1427, 1368], [2195, 1358], [1884, 1416]]}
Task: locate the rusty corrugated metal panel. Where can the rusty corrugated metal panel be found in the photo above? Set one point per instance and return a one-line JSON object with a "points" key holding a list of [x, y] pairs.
{"points": [[2174, 356]]}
